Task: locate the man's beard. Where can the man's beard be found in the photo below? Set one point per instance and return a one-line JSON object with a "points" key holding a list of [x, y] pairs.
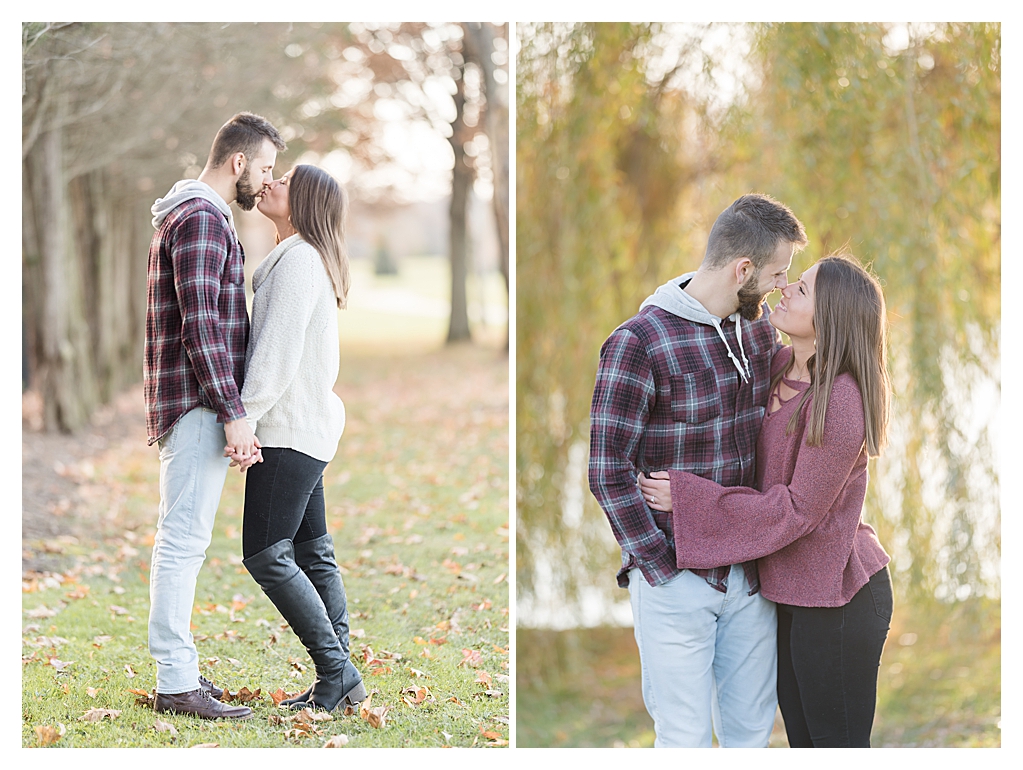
{"points": [[245, 194], [751, 300]]}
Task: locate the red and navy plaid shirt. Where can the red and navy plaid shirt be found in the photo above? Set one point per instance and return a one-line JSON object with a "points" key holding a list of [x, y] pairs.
{"points": [[668, 396], [197, 324]]}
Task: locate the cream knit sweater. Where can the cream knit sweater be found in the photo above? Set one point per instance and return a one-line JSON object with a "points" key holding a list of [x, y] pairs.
{"points": [[292, 360]]}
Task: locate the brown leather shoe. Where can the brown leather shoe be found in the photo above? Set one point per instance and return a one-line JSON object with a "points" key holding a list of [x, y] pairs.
{"points": [[199, 703], [212, 689]]}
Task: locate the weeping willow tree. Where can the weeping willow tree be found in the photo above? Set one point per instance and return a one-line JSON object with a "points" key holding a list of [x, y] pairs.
{"points": [[883, 139]]}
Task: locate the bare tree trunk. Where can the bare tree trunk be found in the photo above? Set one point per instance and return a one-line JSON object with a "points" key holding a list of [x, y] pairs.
{"points": [[66, 378], [480, 44], [30, 279], [458, 328]]}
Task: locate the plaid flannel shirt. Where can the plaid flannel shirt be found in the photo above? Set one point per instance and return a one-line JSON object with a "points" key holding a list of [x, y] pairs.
{"points": [[667, 396], [197, 324]]}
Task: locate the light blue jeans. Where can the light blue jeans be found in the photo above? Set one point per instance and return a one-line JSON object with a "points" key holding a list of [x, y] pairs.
{"points": [[706, 656], [192, 474]]}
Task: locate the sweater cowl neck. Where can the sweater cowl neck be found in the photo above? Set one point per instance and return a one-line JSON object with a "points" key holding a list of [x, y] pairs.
{"points": [[273, 258]]}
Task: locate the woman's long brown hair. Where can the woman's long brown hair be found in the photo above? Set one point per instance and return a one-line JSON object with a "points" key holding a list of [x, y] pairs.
{"points": [[851, 322], [318, 210]]}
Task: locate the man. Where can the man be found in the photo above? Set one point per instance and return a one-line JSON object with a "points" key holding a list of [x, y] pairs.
{"points": [[683, 384], [197, 329]]}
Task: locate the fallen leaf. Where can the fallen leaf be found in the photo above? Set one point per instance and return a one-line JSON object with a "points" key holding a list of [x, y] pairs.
{"points": [[205, 746], [414, 696], [92, 692], [489, 734], [98, 641], [129, 671], [244, 695], [500, 578], [143, 699], [95, 715], [47, 735], [118, 610], [336, 741], [41, 612], [164, 727], [377, 717], [417, 673], [279, 695], [484, 679], [472, 658], [59, 664]]}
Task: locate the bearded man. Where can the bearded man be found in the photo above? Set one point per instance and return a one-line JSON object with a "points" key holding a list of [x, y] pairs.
{"points": [[683, 384], [197, 329]]}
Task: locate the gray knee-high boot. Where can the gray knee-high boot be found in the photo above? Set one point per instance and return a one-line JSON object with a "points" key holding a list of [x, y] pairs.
{"points": [[316, 559], [286, 585]]}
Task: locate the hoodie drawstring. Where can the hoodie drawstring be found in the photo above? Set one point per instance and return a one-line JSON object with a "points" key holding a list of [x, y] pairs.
{"points": [[743, 368]]}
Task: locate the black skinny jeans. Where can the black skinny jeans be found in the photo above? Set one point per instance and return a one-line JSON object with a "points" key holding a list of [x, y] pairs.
{"points": [[283, 500], [828, 659]]}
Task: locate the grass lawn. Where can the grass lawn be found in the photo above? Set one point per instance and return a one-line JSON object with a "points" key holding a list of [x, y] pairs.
{"points": [[417, 503], [939, 684]]}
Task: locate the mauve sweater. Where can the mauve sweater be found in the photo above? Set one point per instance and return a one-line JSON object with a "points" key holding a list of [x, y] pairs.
{"points": [[804, 526]]}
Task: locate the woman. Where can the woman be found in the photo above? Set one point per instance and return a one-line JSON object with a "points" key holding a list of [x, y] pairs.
{"points": [[827, 413], [291, 367]]}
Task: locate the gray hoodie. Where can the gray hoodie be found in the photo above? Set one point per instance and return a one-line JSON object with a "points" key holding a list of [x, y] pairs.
{"points": [[185, 190], [672, 298]]}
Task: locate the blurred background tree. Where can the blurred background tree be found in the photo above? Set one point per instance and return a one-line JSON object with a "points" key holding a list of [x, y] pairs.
{"points": [[114, 114], [883, 139]]}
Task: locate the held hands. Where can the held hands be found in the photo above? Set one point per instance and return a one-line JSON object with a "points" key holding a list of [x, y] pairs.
{"points": [[242, 445], [656, 490]]}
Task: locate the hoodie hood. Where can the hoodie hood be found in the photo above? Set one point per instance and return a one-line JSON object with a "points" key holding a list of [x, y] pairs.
{"points": [[671, 298], [183, 191]]}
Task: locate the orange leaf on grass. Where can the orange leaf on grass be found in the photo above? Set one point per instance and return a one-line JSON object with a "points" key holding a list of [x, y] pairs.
{"points": [[244, 695], [484, 679], [278, 695], [472, 658], [78, 592], [48, 735]]}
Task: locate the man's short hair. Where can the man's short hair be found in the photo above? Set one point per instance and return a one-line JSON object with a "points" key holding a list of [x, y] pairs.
{"points": [[752, 227], [244, 133]]}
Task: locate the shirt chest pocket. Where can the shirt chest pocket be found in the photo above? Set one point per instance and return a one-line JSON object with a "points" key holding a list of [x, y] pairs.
{"points": [[694, 396]]}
